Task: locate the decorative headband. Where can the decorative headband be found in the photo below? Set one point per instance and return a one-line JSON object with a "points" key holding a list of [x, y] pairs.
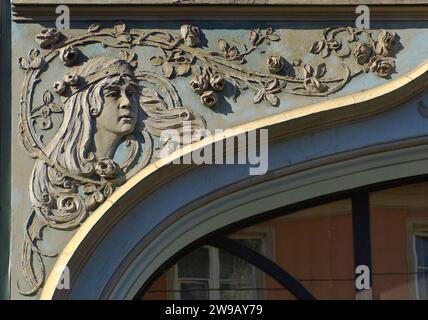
{"points": [[74, 83]]}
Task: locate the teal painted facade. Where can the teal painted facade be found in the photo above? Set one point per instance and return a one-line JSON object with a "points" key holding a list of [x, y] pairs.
{"points": [[373, 148]]}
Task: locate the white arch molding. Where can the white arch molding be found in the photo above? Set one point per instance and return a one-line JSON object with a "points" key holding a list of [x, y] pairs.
{"points": [[119, 247]]}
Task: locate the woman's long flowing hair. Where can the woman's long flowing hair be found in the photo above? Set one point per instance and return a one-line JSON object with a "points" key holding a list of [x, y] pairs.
{"points": [[57, 201]]}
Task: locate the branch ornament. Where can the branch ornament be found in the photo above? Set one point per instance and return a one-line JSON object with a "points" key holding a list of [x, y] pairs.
{"points": [[69, 180]]}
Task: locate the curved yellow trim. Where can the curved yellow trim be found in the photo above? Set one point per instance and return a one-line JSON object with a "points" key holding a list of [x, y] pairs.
{"points": [[359, 97]]}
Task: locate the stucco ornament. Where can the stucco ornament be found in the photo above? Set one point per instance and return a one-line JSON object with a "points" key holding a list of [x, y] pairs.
{"points": [[100, 104], [386, 43], [275, 64], [373, 54], [187, 54]]}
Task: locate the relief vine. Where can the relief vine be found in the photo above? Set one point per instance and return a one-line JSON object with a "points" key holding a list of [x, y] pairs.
{"points": [[107, 102]]}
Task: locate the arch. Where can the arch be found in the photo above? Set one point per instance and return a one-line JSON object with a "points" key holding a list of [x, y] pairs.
{"points": [[142, 239]]}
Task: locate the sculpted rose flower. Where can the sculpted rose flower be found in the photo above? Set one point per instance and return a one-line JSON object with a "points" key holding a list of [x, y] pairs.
{"points": [[68, 204], [71, 79], [209, 98], [47, 37], [199, 84], [59, 87], [362, 53], [381, 66], [275, 64], [69, 55], [190, 34], [386, 40], [106, 168], [217, 83]]}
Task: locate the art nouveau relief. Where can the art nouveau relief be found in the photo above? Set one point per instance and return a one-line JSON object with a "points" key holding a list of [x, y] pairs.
{"points": [[107, 102]]}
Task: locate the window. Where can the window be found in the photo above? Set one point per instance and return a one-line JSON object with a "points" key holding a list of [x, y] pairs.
{"points": [[421, 264], [399, 225], [211, 273], [315, 246]]}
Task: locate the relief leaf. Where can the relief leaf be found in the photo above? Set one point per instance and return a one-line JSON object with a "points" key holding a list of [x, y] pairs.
{"points": [[23, 63], [90, 203], [259, 96], [273, 99], [126, 55], [270, 85], [269, 31], [124, 38], [34, 53], [321, 70], [108, 190], [99, 197], [55, 108], [47, 97], [120, 28], [326, 52], [182, 69], [317, 47], [223, 45], [157, 61], [274, 37], [309, 71], [196, 69], [94, 28], [167, 69]]}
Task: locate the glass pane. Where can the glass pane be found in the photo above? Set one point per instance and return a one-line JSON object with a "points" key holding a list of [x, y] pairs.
{"points": [[237, 290], [195, 265], [196, 290], [234, 268], [314, 245], [422, 285], [238, 278], [398, 215], [241, 281], [421, 244], [255, 244]]}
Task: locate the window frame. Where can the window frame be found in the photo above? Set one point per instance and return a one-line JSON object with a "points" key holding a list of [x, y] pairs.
{"points": [[415, 227], [362, 223], [264, 234]]}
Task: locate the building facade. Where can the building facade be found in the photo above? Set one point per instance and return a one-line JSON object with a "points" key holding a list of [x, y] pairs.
{"points": [[214, 149]]}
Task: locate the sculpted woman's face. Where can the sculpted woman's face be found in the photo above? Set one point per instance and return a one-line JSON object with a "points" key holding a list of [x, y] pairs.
{"points": [[120, 110]]}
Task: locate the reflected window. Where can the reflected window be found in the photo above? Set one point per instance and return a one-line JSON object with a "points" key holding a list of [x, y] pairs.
{"points": [[399, 224], [421, 253], [211, 273], [315, 246], [193, 275]]}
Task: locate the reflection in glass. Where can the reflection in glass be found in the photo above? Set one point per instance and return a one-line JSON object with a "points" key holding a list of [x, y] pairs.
{"points": [[195, 290], [195, 265], [421, 244], [314, 245], [399, 229]]}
